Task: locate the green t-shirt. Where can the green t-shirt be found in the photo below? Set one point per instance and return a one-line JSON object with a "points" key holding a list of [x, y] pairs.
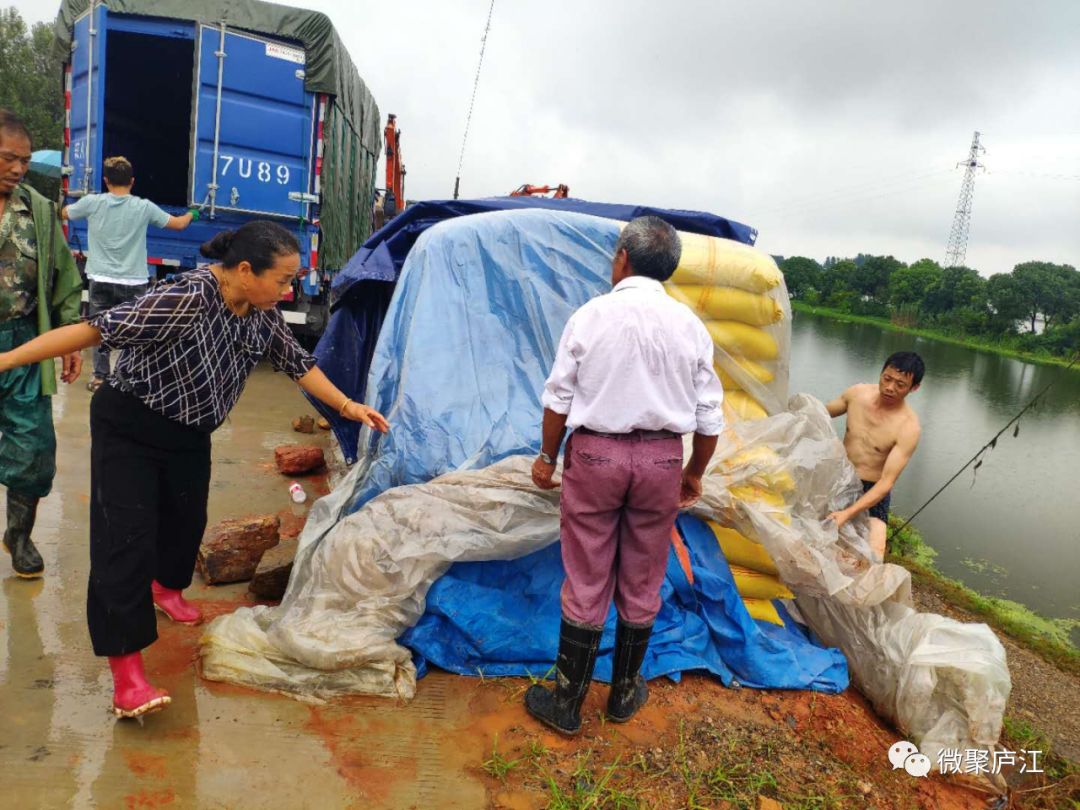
{"points": [[117, 225]]}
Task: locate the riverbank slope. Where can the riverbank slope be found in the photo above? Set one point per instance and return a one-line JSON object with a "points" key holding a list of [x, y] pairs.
{"points": [[935, 334]]}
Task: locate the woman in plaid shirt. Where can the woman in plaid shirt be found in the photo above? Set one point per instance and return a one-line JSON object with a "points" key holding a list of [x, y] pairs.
{"points": [[186, 351]]}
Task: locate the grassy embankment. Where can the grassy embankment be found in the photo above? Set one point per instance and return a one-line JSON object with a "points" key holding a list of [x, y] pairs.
{"points": [[1050, 638], [983, 345]]}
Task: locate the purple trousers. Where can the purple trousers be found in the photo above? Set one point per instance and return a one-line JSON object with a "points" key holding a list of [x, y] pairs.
{"points": [[619, 502]]}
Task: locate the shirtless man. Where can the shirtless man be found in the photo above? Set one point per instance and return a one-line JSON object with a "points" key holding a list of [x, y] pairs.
{"points": [[882, 433]]}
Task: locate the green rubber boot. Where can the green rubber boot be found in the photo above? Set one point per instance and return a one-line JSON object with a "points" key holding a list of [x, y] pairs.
{"points": [[21, 514]]}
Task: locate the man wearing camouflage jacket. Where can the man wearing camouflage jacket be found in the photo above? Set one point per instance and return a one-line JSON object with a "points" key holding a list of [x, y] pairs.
{"points": [[40, 288]]}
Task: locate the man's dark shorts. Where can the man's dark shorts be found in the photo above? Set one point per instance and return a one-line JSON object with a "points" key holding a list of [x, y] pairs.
{"points": [[880, 510]]}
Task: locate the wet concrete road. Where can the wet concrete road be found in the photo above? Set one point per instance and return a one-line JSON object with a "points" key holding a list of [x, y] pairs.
{"points": [[217, 746]]}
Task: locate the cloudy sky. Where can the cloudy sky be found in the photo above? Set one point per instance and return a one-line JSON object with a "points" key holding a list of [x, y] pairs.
{"points": [[832, 127]]}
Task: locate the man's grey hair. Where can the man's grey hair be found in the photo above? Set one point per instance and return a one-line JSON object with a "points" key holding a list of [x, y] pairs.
{"points": [[653, 247]]}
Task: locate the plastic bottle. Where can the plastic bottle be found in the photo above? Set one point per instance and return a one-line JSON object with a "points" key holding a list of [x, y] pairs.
{"points": [[297, 492]]}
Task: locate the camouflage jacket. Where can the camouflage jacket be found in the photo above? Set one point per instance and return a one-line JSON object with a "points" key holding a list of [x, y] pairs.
{"points": [[59, 285], [18, 259]]}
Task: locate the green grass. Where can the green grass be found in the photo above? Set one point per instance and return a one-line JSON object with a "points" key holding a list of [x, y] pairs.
{"points": [[588, 793], [1019, 735], [499, 766], [1050, 638], [982, 345]]}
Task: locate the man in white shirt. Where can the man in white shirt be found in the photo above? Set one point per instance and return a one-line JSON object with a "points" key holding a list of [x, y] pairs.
{"points": [[633, 373]]}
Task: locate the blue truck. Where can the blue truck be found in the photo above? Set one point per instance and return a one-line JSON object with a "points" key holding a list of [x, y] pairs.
{"points": [[243, 109]]}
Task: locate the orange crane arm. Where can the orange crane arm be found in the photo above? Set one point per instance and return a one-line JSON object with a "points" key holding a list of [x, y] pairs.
{"points": [[562, 191]]}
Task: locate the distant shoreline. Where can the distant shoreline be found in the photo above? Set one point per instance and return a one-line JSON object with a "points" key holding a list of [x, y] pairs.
{"points": [[933, 334]]}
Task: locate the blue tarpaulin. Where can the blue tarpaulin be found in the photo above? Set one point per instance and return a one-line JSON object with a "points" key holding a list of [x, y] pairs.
{"points": [[460, 364], [362, 289], [502, 618], [470, 336]]}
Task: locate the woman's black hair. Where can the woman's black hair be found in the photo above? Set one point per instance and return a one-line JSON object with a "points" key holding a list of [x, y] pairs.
{"points": [[258, 243]]}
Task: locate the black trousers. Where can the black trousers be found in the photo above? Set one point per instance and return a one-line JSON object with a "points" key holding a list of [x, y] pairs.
{"points": [[149, 483]]}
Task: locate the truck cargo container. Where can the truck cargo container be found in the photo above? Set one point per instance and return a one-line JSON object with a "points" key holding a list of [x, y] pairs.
{"points": [[243, 109]]}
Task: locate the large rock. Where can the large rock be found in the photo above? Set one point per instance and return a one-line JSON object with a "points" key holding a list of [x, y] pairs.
{"points": [[231, 550], [272, 575], [297, 459]]}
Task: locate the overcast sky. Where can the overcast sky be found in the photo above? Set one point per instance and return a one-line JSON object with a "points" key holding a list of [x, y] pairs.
{"points": [[832, 127]]}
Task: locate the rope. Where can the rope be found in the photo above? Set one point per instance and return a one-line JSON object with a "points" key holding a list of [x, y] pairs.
{"points": [[472, 101], [990, 445]]}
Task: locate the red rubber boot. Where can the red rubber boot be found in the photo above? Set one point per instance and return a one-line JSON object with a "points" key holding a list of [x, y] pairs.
{"points": [[173, 605], [132, 694]]}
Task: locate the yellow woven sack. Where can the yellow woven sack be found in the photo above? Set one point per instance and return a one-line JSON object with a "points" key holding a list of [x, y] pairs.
{"points": [[773, 503], [752, 494], [739, 405], [756, 585], [719, 262], [763, 610], [728, 304], [755, 370], [740, 340], [739, 550], [761, 459]]}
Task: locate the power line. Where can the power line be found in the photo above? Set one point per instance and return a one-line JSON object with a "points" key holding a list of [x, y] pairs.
{"points": [[1042, 175], [798, 202], [860, 199], [990, 445], [472, 101]]}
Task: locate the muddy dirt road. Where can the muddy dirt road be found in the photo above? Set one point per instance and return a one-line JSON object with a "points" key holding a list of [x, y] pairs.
{"points": [[221, 747]]}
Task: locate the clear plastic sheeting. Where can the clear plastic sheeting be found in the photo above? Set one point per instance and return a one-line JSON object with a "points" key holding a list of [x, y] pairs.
{"points": [[364, 581], [941, 683], [361, 580], [459, 369]]}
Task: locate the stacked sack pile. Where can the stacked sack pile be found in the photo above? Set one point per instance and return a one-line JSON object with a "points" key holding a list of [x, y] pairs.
{"points": [[739, 293]]}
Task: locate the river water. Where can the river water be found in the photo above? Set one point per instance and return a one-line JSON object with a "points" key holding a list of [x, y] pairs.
{"points": [[1014, 530]]}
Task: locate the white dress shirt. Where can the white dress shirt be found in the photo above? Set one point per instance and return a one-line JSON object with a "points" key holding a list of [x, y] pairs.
{"points": [[636, 359]]}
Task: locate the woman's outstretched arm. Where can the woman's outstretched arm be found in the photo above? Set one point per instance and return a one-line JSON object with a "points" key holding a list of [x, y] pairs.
{"points": [[317, 384], [57, 343]]}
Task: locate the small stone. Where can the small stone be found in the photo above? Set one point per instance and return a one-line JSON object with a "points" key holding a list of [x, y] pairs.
{"points": [[231, 550], [303, 424], [272, 574], [865, 788], [297, 459]]}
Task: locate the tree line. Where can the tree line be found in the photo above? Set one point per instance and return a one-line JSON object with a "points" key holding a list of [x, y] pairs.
{"points": [[1034, 308], [31, 85]]}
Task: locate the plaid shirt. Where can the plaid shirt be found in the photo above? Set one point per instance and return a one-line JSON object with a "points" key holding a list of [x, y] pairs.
{"points": [[187, 355]]}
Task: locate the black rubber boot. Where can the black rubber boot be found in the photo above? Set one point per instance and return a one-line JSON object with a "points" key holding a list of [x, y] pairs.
{"points": [[560, 707], [21, 513], [628, 690]]}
